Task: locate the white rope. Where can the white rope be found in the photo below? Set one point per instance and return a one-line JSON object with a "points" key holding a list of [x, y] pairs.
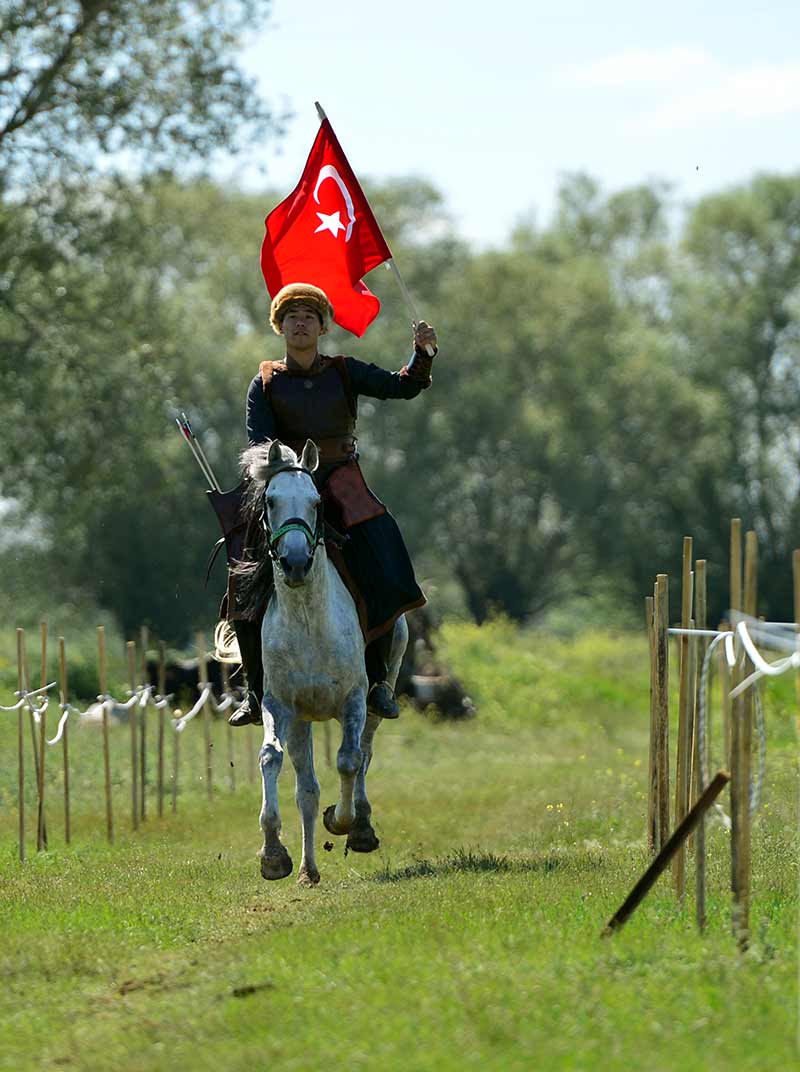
{"points": [[180, 725]]}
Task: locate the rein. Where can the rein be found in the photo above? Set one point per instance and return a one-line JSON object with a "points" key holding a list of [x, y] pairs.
{"points": [[294, 524]]}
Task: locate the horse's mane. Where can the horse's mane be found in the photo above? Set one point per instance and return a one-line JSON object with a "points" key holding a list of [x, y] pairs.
{"points": [[254, 570], [258, 471]]}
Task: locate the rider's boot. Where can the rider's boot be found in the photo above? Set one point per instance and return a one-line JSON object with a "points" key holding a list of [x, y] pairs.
{"points": [[381, 699], [248, 635]]}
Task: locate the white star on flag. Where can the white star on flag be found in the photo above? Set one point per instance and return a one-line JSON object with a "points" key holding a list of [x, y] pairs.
{"points": [[331, 222]]}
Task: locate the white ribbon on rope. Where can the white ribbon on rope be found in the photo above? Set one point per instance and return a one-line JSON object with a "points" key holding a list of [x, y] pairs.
{"points": [[180, 724]]}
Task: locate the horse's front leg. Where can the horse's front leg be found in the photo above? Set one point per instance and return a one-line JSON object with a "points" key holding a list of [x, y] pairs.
{"points": [[275, 860], [301, 749], [339, 818]]}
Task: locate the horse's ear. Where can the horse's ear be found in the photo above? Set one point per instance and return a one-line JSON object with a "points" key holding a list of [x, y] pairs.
{"points": [[274, 457], [310, 457]]}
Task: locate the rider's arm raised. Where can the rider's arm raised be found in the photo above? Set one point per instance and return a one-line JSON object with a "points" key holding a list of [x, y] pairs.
{"points": [[413, 378]]}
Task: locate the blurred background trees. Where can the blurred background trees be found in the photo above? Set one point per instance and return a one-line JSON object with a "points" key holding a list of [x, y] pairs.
{"points": [[609, 381]]}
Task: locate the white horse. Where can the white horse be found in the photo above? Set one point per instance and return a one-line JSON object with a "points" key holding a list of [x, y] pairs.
{"points": [[313, 654]]}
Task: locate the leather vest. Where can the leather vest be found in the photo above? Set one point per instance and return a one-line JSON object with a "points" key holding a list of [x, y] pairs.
{"points": [[312, 406]]}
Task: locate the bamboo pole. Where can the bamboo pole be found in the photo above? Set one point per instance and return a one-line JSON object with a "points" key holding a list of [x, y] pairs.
{"points": [[41, 828], [62, 669], [652, 763], [701, 617], [661, 628], [102, 684], [203, 667], [131, 650], [144, 638], [685, 704], [678, 838], [21, 743], [162, 689]]}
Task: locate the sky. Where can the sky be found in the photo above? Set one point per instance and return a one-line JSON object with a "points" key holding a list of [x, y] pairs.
{"points": [[494, 106]]}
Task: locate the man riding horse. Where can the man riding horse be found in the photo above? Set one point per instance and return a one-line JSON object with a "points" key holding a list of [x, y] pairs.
{"points": [[309, 395]]}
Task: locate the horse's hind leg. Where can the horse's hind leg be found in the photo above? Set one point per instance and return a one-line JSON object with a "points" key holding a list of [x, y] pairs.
{"points": [[275, 860], [338, 818], [301, 750], [362, 837]]}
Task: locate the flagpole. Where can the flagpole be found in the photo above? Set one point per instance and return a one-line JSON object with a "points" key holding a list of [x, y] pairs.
{"points": [[391, 262]]}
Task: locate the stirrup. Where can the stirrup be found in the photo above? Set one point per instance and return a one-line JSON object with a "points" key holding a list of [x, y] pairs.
{"points": [[381, 701], [248, 713]]}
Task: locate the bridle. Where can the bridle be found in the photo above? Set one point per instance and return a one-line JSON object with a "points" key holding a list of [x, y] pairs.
{"points": [[314, 536]]}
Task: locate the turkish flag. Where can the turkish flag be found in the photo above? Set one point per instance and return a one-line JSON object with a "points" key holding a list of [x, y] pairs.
{"points": [[325, 233]]}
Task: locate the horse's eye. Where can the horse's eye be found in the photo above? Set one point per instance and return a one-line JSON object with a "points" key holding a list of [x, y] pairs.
{"points": [[270, 502]]}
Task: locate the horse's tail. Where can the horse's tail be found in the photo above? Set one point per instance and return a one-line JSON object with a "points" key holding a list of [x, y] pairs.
{"points": [[226, 646]]}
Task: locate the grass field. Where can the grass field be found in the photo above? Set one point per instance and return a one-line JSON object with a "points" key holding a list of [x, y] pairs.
{"points": [[469, 940]]}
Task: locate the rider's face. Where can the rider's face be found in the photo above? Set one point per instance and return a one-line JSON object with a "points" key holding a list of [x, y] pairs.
{"points": [[301, 327]]}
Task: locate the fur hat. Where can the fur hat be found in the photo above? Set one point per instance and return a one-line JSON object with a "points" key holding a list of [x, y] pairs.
{"points": [[294, 293]]}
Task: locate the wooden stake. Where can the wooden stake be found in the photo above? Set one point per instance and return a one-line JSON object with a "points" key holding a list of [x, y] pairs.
{"points": [[735, 717], [725, 692], [21, 743], [62, 668], [230, 732], [41, 829], [176, 758], [685, 704], [203, 667], [662, 703], [144, 638], [131, 649], [678, 838], [652, 764], [162, 689], [744, 706], [701, 644], [28, 684], [796, 575], [102, 684]]}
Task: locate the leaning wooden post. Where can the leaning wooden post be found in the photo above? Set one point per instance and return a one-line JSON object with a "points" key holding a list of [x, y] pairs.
{"points": [[21, 743], [162, 689], [685, 704], [144, 638], [661, 629], [652, 764], [102, 685], [678, 838], [41, 829], [62, 667], [131, 649], [203, 667], [701, 643]]}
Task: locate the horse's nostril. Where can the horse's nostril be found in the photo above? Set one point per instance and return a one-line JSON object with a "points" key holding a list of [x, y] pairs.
{"points": [[284, 563], [307, 567]]}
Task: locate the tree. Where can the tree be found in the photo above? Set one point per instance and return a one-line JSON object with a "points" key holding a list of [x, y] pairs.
{"points": [[157, 81]]}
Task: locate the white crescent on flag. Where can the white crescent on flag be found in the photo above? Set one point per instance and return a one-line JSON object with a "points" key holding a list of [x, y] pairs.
{"points": [[332, 221]]}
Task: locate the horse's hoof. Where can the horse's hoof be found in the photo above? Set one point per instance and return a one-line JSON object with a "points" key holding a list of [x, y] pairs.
{"points": [[329, 821], [362, 838], [308, 877], [275, 864]]}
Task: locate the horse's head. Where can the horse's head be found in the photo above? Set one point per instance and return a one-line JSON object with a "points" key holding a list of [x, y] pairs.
{"points": [[290, 506]]}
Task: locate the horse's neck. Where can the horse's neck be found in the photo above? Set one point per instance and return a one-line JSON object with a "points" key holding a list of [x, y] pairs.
{"points": [[308, 607]]}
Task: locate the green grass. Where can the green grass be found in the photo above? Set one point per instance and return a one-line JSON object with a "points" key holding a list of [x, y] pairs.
{"points": [[469, 940]]}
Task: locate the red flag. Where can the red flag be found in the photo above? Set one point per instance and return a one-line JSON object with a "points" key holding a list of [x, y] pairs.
{"points": [[325, 233]]}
